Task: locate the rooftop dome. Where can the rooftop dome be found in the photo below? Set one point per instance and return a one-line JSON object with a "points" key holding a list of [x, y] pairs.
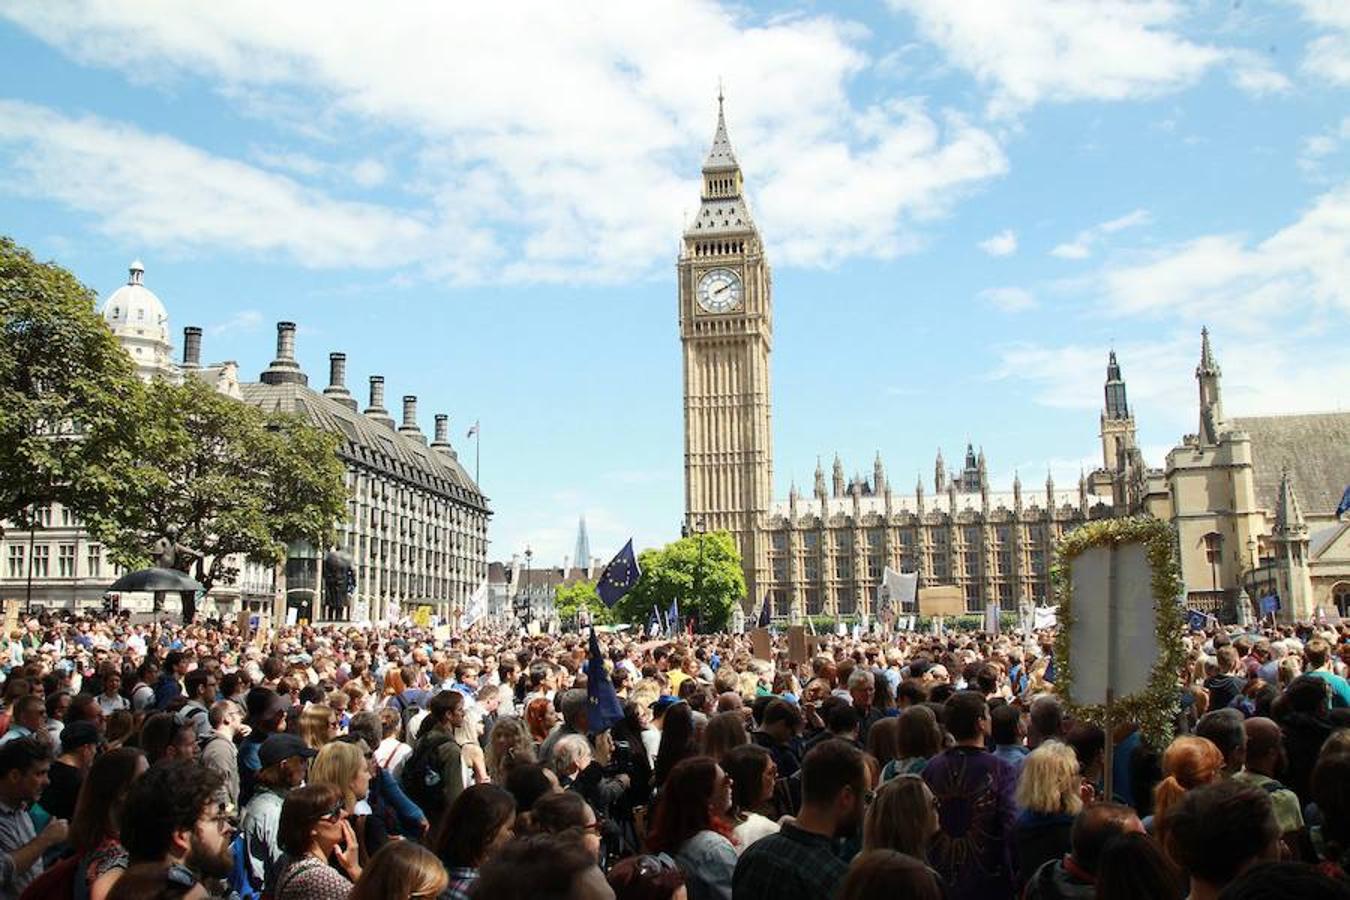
{"points": [[135, 307]]}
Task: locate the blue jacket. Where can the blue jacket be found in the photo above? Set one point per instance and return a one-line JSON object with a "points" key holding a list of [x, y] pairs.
{"points": [[166, 689], [400, 814]]}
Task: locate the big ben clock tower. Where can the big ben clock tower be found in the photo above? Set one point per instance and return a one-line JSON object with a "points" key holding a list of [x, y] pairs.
{"points": [[726, 328]]}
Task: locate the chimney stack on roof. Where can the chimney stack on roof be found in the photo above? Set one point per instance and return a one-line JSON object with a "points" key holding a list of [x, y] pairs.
{"points": [[376, 409], [409, 427], [442, 439], [192, 347], [284, 369], [337, 381]]}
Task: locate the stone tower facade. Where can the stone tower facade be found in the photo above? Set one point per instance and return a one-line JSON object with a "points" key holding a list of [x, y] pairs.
{"points": [[726, 329]]}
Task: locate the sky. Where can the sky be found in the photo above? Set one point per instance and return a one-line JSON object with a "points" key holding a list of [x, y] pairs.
{"points": [[966, 206]]}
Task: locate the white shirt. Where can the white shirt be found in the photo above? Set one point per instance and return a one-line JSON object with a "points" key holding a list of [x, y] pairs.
{"points": [[391, 755]]}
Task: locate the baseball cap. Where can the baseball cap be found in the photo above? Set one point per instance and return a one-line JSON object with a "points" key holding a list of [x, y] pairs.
{"points": [[663, 703], [281, 747], [79, 734]]}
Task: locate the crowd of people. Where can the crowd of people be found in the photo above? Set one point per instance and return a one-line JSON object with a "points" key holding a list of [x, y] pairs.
{"points": [[341, 763]]}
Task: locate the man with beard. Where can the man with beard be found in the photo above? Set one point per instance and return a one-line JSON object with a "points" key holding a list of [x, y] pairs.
{"points": [[799, 862], [174, 814]]}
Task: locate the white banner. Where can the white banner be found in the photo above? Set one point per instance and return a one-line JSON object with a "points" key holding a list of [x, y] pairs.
{"points": [[896, 593], [476, 608], [1045, 617]]}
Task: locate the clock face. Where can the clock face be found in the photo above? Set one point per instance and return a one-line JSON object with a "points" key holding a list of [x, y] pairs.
{"points": [[720, 290]]}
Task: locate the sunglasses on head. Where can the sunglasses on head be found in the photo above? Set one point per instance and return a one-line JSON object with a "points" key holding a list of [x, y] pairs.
{"points": [[334, 814]]}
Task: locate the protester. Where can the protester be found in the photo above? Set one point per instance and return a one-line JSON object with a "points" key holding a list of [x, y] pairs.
{"points": [[1049, 797], [433, 775], [902, 817], [888, 874], [1132, 866], [690, 824], [753, 774], [542, 866], [96, 825], [80, 743], [401, 870], [679, 741], [1075, 876], [1216, 831], [392, 752], [266, 717], [798, 863], [508, 744], [918, 739], [174, 814], [1264, 762], [647, 877], [285, 764], [158, 881], [973, 849], [313, 828], [220, 751], [476, 825], [24, 763], [566, 814], [1188, 763]]}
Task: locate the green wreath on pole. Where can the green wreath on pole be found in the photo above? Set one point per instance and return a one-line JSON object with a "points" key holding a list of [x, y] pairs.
{"points": [[1155, 708]]}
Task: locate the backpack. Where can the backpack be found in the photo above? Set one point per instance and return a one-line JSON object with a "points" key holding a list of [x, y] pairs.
{"points": [[422, 779], [62, 879]]}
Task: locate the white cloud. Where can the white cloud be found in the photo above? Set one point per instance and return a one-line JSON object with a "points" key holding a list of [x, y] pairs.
{"points": [[1328, 55], [1009, 299], [244, 320], [1081, 246], [582, 172], [161, 192], [1255, 74], [1262, 375], [1002, 244], [1303, 268], [365, 173], [1318, 147], [1066, 50]]}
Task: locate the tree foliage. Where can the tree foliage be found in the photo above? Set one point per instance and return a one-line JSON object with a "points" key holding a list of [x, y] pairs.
{"points": [[70, 403], [568, 599], [230, 478], [708, 584]]}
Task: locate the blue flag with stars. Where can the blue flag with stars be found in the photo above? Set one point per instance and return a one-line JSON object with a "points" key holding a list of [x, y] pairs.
{"points": [[619, 576], [603, 708], [1196, 620], [673, 617]]}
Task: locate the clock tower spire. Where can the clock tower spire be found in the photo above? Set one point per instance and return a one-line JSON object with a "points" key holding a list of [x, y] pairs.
{"points": [[725, 314]]}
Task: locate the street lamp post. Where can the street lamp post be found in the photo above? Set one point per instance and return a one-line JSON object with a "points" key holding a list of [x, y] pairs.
{"points": [[529, 597], [701, 527]]}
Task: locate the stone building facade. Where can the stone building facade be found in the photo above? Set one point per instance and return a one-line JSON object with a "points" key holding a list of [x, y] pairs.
{"points": [[416, 528]]}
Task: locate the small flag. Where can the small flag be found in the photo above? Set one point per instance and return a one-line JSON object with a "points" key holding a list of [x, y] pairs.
{"points": [[619, 576], [603, 709], [993, 617], [1196, 620], [476, 608], [1270, 604], [673, 617], [473, 429], [654, 626], [764, 614], [1045, 617], [1344, 506]]}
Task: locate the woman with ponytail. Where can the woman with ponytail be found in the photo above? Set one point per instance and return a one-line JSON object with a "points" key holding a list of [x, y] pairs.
{"points": [[1188, 763]]}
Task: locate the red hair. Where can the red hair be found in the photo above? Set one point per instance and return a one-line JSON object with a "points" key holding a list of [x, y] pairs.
{"points": [[684, 807], [1188, 762]]}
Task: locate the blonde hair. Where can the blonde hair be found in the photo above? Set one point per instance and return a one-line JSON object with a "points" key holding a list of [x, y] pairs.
{"points": [[338, 764], [316, 721], [1050, 780], [401, 870]]}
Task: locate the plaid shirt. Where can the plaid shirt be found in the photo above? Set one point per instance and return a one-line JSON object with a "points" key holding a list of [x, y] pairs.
{"points": [[461, 882], [790, 865]]}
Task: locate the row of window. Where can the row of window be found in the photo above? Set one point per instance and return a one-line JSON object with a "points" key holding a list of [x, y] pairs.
{"points": [[874, 538], [41, 560], [939, 564], [815, 601]]}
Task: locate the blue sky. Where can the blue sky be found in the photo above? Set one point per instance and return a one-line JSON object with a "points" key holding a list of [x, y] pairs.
{"points": [[966, 205]]}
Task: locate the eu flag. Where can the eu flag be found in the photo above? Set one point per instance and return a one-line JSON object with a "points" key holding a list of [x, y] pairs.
{"points": [[673, 617], [1196, 620], [603, 709], [619, 576], [764, 614], [1270, 604]]}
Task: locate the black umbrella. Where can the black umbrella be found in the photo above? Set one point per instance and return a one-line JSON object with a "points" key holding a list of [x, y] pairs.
{"points": [[156, 579]]}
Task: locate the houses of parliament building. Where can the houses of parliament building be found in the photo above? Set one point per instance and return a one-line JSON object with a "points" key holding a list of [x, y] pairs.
{"points": [[1232, 489]]}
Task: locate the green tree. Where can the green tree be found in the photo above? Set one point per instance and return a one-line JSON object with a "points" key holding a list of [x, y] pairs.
{"points": [[568, 599], [70, 402], [230, 478], [707, 580]]}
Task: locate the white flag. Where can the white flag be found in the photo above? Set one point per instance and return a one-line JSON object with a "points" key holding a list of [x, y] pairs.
{"points": [[476, 608], [1046, 617], [897, 592]]}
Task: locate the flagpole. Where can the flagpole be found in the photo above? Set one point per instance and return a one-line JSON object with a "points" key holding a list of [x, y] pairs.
{"points": [[477, 452]]}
